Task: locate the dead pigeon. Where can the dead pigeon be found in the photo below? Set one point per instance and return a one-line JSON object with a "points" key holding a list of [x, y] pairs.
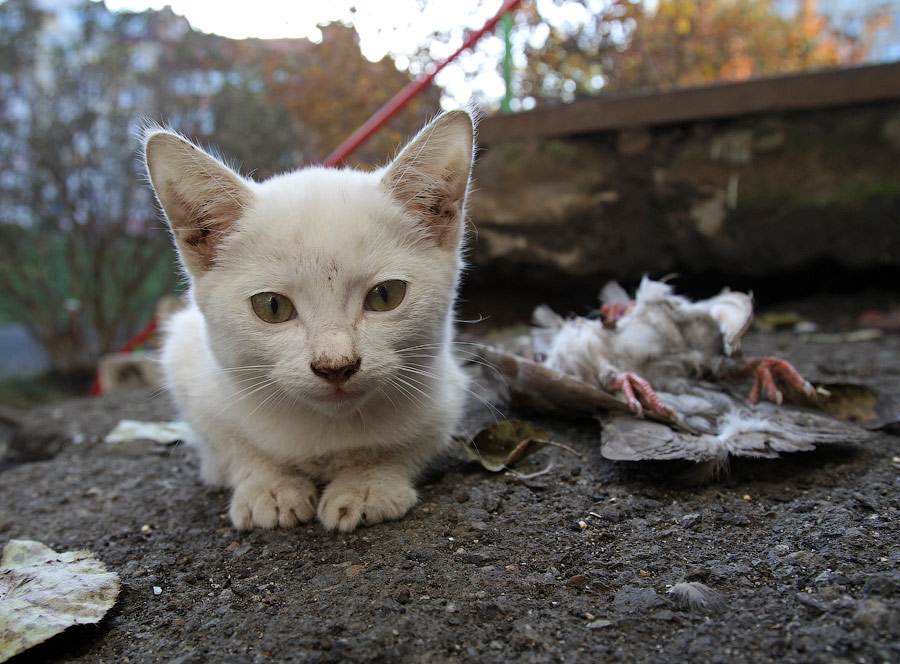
{"points": [[703, 422], [715, 425], [667, 355], [658, 341], [662, 351]]}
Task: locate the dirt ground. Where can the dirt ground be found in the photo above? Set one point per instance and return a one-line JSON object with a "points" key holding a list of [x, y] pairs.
{"points": [[572, 566]]}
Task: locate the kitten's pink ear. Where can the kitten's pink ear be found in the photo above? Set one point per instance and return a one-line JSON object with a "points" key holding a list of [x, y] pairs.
{"points": [[202, 198], [430, 177]]}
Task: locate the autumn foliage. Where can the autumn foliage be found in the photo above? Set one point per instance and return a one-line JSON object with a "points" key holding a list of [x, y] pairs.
{"points": [[333, 89], [640, 45], [691, 42]]}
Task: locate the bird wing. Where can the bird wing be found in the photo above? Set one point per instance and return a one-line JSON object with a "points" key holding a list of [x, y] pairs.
{"points": [[727, 426]]}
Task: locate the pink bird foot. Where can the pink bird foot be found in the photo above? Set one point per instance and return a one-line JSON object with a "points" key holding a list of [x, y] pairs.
{"points": [[611, 313], [637, 391], [765, 370]]}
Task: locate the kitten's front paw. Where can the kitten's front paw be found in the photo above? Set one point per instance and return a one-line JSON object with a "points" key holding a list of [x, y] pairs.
{"points": [[365, 498], [281, 502]]}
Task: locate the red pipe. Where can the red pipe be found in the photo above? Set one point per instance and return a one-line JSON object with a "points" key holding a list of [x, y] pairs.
{"points": [[140, 337], [135, 341], [413, 88]]}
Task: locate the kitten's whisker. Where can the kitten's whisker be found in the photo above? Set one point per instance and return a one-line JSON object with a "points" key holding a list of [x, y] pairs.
{"points": [[418, 398], [169, 384], [481, 318], [407, 395], [238, 396], [491, 407], [387, 396], [440, 345], [472, 359], [277, 394]]}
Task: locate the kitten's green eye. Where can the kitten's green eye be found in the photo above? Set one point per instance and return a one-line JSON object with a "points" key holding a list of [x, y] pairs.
{"points": [[272, 307], [386, 296]]}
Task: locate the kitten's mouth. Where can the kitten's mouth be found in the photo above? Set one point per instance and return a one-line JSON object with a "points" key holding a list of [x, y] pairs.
{"points": [[340, 395]]}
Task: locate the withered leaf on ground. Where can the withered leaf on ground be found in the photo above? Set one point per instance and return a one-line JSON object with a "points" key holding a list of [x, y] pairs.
{"points": [[850, 401], [43, 592], [162, 433], [501, 445]]}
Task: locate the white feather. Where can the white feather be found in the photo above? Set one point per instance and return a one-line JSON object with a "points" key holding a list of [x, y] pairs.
{"points": [[696, 595]]}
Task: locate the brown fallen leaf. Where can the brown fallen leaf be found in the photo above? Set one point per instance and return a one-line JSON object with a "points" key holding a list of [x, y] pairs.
{"points": [[850, 401], [501, 445]]}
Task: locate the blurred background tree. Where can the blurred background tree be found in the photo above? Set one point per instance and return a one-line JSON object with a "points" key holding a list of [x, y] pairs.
{"points": [[83, 253], [669, 43]]}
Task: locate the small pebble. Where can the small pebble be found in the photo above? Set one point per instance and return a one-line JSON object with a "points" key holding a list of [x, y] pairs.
{"points": [[871, 613], [578, 581], [157, 590], [599, 624]]}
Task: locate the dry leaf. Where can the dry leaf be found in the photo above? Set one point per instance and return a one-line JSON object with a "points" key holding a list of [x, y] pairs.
{"points": [[162, 433], [43, 592], [501, 445], [850, 401]]}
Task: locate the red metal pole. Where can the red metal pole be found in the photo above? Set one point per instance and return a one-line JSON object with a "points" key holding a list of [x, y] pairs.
{"points": [[134, 342], [399, 100]]}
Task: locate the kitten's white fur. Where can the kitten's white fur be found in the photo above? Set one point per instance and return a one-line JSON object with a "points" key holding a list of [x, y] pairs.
{"points": [[266, 424]]}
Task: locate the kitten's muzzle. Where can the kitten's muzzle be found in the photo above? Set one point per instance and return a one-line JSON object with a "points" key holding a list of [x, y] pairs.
{"points": [[335, 374]]}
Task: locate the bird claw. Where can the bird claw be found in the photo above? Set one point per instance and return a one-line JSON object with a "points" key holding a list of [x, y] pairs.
{"points": [[638, 394], [611, 313], [765, 370]]}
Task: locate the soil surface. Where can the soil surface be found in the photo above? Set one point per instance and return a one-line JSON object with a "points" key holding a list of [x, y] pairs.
{"points": [[572, 565]]}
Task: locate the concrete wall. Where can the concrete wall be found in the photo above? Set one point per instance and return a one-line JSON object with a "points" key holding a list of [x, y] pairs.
{"points": [[808, 174]]}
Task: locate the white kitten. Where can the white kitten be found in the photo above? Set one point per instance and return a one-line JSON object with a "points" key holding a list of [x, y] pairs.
{"points": [[316, 349]]}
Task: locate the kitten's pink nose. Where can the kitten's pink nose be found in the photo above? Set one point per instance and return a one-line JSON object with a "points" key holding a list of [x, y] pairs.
{"points": [[335, 373]]}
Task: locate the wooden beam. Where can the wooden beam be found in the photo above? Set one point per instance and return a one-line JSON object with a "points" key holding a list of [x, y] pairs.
{"points": [[809, 90]]}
